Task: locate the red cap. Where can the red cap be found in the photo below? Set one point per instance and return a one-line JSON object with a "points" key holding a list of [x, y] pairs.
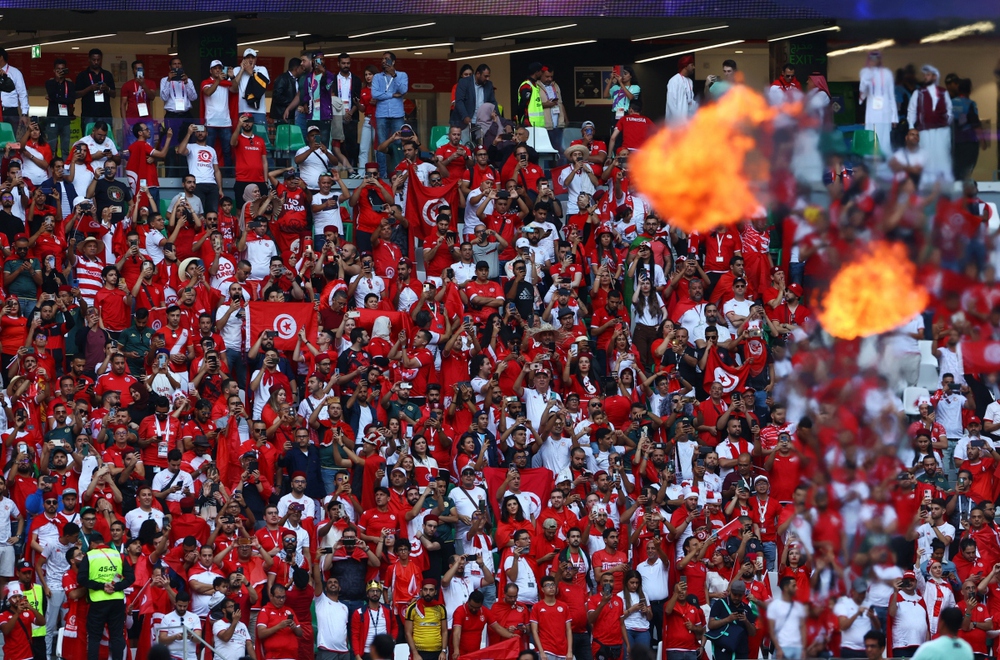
{"points": [[974, 420], [909, 575], [796, 289]]}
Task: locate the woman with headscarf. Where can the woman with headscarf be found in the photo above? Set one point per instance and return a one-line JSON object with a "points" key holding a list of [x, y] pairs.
{"points": [[253, 205], [807, 162], [879, 96], [381, 341], [930, 113]]}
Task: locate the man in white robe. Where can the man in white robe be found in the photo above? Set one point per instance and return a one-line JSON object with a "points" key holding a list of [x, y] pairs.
{"points": [[680, 92], [878, 95], [930, 113]]}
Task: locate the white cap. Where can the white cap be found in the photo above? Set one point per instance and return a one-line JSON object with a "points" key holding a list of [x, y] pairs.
{"points": [[215, 63], [80, 199], [711, 497], [690, 492], [249, 51], [522, 243]]}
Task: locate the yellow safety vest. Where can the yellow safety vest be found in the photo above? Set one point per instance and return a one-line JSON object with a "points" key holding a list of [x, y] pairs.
{"points": [[104, 566], [536, 113], [34, 596]]}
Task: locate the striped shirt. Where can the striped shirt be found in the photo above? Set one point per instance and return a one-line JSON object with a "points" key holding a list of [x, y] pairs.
{"points": [[88, 275]]}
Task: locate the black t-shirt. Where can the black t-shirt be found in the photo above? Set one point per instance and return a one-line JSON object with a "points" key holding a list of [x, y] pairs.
{"points": [[349, 361], [88, 106], [523, 296], [60, 93], [113, 193], [10, 225]]}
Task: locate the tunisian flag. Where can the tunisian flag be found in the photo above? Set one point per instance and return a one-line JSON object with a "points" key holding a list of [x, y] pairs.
{"points": [[399, 320], [539, 481], [423, 202], [508, 649], [284, 319], [731, 378], [979, 356]]}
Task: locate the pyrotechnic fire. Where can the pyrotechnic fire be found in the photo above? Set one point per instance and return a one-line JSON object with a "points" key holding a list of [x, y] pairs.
{"points": [[874, 293], [702, 175]]}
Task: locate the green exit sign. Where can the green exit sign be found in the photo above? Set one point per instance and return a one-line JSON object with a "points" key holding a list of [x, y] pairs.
{"points": [[36, 52]]}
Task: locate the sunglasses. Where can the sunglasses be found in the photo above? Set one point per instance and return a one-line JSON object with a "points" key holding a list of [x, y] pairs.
{"points": [[52, 501]]}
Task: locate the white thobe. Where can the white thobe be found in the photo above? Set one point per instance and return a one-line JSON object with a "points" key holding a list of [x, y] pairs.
{"points": [[935, 143], [680, 99], [879, 96]]}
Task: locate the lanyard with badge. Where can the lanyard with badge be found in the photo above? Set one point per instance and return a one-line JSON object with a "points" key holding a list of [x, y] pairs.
{"points": [[98, 94], [140, 101], [164, 438], [64, 107], [180, 101]]}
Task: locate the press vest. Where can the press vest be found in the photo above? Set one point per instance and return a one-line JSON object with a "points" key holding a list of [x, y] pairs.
{"points": [[536, 113], [34, 596]]}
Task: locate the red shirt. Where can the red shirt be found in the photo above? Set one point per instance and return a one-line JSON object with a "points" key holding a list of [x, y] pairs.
{"points": [[387, 257], [472, 627], [284, 643], [606, 561], [634, 129], [785, 475], [111, 382], [607, 628], [488, 290], [710, 412], [17, 644], [551, 620], [115, 312], [249, 164], [134, 94], [139, 151], [508, 616], [575, 597], [505, 224], [720, 247], [676, 636], [373, 521], [456, 168], [602, 316], [442, 258]]}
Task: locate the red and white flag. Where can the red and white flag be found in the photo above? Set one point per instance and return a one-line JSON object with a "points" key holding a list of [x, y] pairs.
{"points": [[423, 202], [979, 356], [731, 378], [283, 319]]}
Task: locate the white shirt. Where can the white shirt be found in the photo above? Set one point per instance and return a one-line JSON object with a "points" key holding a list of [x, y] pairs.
{"points": [[738, 307], [854, 637], [183, 480], [243, 105], [635, 621], [962, 447], [201, 575], [457, 592], [8, 513], [949, 412], [55, 564], [655, 582], [534, 404], [581, 183], [527, 588], [217, 108], [316, 163], [309, 504], [680, 98], [466, 503], [202, 162], [367, 284], [934, 593], [910, 626], [331, 624], [236, 647], [530, 503], [95, 160], [329, 217], [925, 534], [879, 591], [787, 618], [19, 97], [171, 624], [554, 453], [135, 518], [259, 253]]}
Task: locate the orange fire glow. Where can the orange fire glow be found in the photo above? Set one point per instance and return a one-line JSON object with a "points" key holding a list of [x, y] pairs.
{"points": [[703, 174], [874, 293]]}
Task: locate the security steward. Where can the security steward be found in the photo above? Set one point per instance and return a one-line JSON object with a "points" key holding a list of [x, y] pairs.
{"points": [[105, 575]]}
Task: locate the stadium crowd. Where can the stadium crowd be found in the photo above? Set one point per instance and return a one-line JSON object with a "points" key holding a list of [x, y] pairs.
{"points": [[561, 425]]}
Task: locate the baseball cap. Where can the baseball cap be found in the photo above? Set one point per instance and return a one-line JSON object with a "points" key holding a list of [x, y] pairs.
{"points": [[550, 523], [909, 575], [859, 585], [69, 491], [201, 441], [587, 124], [249, 51], [215, 63], [312, 129], [795, 289], [522, 243]]}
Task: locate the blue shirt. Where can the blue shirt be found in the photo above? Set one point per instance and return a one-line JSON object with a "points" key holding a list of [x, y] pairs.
{"points": [[383, 88]]}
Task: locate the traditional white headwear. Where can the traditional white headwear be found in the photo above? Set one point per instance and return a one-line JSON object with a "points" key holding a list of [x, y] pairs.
{"points": [[927, 68]]}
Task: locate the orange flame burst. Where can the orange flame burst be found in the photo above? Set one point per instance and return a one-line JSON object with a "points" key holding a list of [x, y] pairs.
{"points": [[699, 176], [874, 293]]}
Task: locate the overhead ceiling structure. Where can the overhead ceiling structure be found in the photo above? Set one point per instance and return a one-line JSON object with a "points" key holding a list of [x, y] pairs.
{"points": [[460, 29]]}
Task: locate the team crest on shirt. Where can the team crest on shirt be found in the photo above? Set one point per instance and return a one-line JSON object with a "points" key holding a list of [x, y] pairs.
{"points": [[116, 194], [559, 609], [205, 156]]}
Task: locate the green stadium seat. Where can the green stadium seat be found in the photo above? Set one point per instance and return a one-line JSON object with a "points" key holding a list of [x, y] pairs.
{"points": [[6, 134], [439, 135], [288, 137], [261, 130], [864, 143]]}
